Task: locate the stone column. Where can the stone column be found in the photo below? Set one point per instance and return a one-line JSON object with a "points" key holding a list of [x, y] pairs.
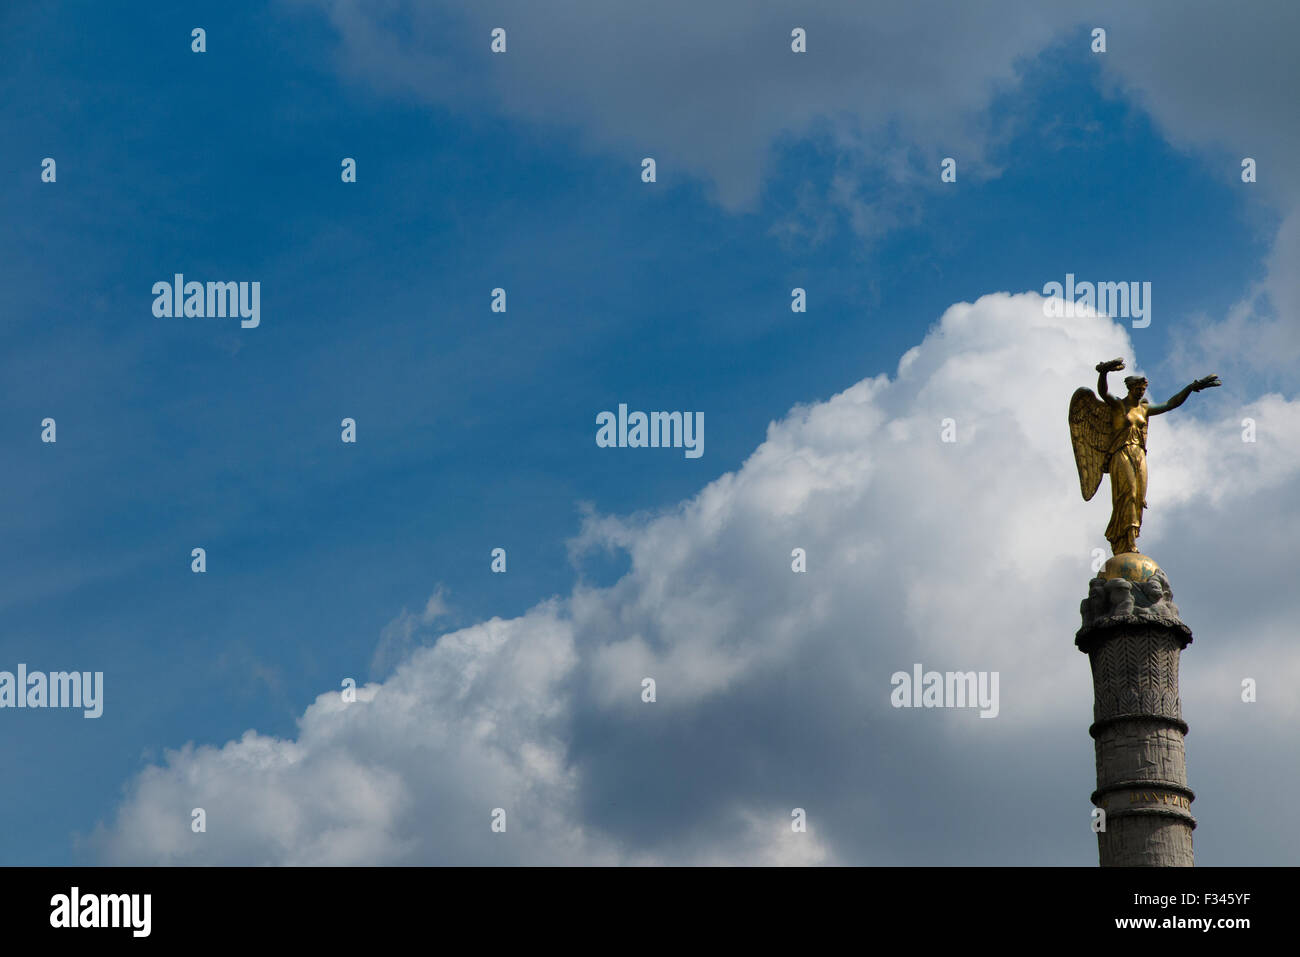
{"points": [[1133, 638]]}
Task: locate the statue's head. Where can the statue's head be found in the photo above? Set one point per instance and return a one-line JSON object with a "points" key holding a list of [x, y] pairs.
{"points": [[1137, 386]]}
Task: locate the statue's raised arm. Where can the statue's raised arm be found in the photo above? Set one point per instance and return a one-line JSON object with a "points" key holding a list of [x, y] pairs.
{"points": [[1114, 365]]}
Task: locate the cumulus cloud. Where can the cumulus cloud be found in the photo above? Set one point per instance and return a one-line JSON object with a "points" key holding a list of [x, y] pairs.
{"points": [[772, 688]]}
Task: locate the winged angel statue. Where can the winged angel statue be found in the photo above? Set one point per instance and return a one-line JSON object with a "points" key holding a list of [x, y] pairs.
{"points": [[1110, 435]]}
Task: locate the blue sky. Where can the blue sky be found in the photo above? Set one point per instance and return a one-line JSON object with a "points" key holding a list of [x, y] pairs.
{"points": [[475, 428]]}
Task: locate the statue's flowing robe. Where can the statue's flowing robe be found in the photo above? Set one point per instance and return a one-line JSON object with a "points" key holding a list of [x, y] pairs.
{"points": [[1127, 463]]}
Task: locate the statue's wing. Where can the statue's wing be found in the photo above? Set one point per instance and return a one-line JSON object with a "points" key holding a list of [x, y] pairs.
{"points": [[1090, 436]]}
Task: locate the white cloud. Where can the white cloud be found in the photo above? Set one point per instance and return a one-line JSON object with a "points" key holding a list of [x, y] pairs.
{"points": [[773, 686]]}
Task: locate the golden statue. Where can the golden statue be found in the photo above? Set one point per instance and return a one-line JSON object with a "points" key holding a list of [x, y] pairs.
{"points": [[1110, 435]]}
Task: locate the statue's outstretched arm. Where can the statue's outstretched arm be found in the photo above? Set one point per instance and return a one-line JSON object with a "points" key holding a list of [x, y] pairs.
{"points": [[1209, 382]]}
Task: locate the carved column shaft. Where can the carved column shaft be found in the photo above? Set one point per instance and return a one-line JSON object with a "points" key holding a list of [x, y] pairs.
{"points": [[1138, 727]]}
